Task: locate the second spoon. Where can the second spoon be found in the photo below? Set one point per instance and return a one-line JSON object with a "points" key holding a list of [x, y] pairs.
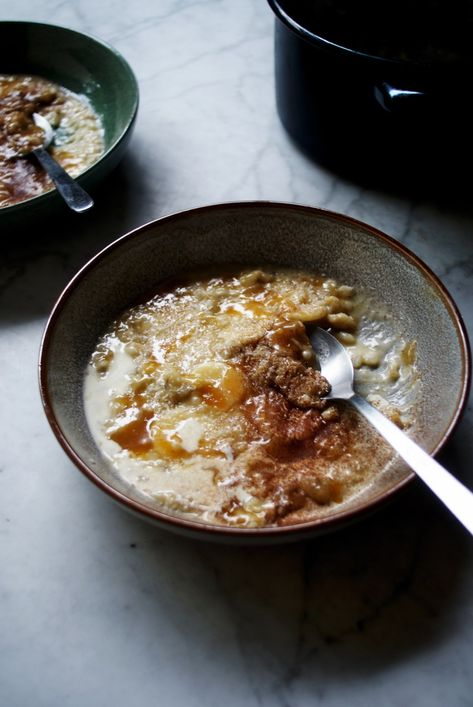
{"points": [[337, 368], [75, 197]]}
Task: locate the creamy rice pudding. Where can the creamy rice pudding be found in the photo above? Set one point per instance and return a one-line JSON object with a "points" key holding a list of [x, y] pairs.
{"points": [[78, 140], [207, 400]]}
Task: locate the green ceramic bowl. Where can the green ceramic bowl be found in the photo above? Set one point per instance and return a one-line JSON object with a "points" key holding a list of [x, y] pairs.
{"points": [[84, 65]]}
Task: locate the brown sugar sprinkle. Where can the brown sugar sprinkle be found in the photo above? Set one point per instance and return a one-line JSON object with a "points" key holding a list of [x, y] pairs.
{"points": [[277, 361], [285, 408]]}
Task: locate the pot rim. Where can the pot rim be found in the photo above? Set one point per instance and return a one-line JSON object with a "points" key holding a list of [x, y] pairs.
{"points": [[350, 53]]}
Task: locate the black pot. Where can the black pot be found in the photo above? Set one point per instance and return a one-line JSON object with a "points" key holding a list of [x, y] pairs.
{"points": [[368, 115]]}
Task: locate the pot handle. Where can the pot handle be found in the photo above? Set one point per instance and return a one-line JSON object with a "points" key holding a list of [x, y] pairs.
{"points": [[392, 99]]}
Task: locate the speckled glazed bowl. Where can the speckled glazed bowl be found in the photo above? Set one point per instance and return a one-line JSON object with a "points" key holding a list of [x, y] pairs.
{"points": [[86, 66], [252, 233]]}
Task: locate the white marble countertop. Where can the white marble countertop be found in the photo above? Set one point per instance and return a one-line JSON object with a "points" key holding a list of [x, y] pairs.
{"points": [[99, 608]]}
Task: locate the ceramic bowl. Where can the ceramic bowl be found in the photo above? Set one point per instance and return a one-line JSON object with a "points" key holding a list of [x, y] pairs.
{"points": [[86, 66], [252, 233]]}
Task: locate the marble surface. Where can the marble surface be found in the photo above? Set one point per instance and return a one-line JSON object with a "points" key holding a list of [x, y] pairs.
{"points": [[99, 608]]}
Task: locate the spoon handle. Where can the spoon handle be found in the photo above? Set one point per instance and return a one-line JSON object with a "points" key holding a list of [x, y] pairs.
{"points": [[75, 197], [454, 495]]}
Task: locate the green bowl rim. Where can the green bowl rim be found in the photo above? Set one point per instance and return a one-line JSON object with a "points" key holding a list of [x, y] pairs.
{"points": [[128, 71]]}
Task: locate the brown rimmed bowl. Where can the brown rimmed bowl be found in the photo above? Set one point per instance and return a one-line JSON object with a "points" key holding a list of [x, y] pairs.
{"points": [[252, 233]]}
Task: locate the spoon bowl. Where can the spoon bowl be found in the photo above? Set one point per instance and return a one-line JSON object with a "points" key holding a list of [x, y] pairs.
{"points": [[336, 366], [41, 122]]}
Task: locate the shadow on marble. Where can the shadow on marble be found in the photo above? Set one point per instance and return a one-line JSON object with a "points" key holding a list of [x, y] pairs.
{"points": [[374, 594], [38, 262], [440, 182]]}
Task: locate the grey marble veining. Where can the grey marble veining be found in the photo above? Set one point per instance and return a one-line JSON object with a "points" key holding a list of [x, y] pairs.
{"points": [[98, 608]]}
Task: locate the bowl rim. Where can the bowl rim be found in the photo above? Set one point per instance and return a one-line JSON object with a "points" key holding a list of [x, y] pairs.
{"points": [[316, 525], [11, 209]]}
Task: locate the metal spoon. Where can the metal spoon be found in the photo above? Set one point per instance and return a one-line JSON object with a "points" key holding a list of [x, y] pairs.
{"points": [[337, 368], [75, 197]]}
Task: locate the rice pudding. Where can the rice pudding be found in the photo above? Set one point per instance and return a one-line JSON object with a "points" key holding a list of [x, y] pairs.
{"points": [[78, 141], [207, 400]]}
